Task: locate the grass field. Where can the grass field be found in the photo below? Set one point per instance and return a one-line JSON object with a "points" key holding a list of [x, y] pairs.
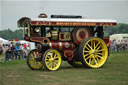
{"points": [[114, 72]]}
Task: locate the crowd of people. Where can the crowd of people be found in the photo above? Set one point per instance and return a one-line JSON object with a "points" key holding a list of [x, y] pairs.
{"points": [[118, 45], [14, 51]]}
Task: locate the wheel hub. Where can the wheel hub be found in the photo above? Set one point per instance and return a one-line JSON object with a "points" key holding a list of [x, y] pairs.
{"points": [[92, 51], [51, 60]]}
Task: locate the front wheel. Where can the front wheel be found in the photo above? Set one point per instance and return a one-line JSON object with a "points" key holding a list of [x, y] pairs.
{"points": [[93, 52], [34, 61], [52, 60]]}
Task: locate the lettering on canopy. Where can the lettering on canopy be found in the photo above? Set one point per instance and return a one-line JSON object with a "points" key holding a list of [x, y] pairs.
{"points": [[72, 23]]}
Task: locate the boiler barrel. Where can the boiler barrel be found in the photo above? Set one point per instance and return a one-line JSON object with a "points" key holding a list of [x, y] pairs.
{"points": [[61, 45]]}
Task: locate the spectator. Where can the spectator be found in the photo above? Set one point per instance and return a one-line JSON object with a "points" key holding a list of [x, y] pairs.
{"points": [[118, 45], [13, 50], [17, 52], [21, 51], [25, 46], [110, 45], [29, 47], [123, 44], [1, 49], [114, 45], [8, 54]]}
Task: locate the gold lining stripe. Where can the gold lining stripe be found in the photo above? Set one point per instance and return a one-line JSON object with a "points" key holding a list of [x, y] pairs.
{"points": [[60, 45], [50, 44]]}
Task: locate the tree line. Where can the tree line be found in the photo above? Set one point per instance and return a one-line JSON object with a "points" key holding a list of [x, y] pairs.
{"points": [[119, 29], [18, 34], [8, 34]]}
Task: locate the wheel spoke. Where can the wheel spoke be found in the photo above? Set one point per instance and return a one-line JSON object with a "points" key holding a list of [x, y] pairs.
{"points": [[87, 58], [47, 59], [55, 56], [49, 64], [89, 46], [86, 55], [97, 45], [100, 50], [49, 56], [31, 55], [92, 61], [55, 63], [100, 57], [34, 55], [100, 53], [91, 43], [85, 51], [95, 61], [94, 45]]}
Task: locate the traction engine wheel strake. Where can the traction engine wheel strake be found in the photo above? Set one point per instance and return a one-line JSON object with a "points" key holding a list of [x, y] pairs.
{"points": [[34, 61], [94, 52], [52, 59]]}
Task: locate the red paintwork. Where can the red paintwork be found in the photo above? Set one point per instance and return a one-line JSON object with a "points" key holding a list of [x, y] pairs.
{"points": [[62, 36], [68, 54], [106, 40], [68, 44], [82, 35], [39, 39], [54, 44], [64, 45]]}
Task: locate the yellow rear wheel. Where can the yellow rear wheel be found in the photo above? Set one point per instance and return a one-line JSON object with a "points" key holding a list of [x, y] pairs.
{"points": [[52, 59], [93, 52], [34, 61]]}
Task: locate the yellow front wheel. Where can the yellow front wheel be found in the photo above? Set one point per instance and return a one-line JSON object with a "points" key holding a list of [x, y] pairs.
{"points": [[52, 59], [34, 61], [93, 52]]}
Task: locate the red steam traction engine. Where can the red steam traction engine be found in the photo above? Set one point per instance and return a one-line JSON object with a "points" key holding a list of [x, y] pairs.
{"points": [[74, 39]]}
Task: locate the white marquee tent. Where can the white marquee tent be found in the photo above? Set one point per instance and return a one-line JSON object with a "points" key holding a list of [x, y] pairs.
{"points": [[119, 37], [3, 40]]}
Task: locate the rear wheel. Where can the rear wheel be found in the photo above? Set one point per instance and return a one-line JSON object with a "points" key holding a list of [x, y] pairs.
{"points": [[52, 59], [93, 52], [34, 61]]}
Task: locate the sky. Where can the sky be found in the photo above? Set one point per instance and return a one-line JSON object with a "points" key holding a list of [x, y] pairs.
{"points": [[12, 10]]}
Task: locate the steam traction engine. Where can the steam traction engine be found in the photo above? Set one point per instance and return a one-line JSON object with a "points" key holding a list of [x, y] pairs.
{"points": [[78, 41]]}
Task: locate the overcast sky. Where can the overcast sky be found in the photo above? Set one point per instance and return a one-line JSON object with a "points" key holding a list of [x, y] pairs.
{"points": [[11, 10]]}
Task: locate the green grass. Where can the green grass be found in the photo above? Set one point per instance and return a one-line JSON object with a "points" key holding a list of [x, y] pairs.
{"points": [[114, 72]]}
